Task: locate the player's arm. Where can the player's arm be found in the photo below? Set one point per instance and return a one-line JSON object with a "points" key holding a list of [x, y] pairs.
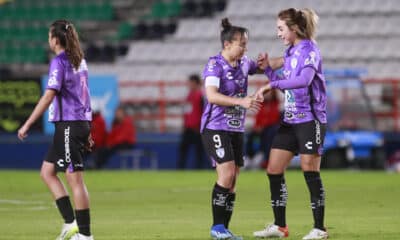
{"points": [[215, 97], [276, 63], [40, 108], [303, 80]]}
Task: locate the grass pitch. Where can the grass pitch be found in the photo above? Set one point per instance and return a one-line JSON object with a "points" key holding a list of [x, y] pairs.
{"points": [[176, 205]]}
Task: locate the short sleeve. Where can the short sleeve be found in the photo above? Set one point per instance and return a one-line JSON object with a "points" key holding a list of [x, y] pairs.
{"points": [[212, 69], [56, 75], [311, 58]]}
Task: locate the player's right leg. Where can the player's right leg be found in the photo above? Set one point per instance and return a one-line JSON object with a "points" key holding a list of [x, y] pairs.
{"points": [[279, 160], [56, 187]]}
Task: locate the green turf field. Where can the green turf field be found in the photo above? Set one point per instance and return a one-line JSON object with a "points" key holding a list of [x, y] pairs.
{"points": [[176, 205]]}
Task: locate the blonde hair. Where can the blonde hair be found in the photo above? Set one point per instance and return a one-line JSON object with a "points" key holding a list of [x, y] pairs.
{"points": [[303, 22]]}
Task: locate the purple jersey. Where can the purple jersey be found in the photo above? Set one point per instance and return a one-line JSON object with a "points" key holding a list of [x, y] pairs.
{"points": [[232, 81], [305, 100], [72, 101]]}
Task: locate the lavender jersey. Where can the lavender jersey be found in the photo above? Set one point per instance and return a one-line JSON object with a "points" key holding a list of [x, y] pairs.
{"points": [[304, 100], [233, 83], [72, 101]]}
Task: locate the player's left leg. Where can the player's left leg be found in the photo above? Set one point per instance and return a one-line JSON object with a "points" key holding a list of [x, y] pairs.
{"points": [[81, 200]]}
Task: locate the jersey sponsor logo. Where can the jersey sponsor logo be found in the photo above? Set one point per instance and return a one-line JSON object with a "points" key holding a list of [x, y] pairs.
{"points": [[60, 162], [66, 145], [234, 123], [211, 65], [53, 78], [290, 101], [51, 111], [311, 59], [289, 115], [308, 145], [220, 152], [301, 115], [293, 63]]}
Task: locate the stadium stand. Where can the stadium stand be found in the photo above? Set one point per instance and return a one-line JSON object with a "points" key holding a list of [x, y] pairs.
{"points": [[157, 41]]}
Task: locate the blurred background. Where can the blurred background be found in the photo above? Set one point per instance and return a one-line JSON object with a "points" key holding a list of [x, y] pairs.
{"points": [[141, 53]]}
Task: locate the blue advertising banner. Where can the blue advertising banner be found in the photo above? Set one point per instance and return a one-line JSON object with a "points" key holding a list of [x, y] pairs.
{"points": [[104, 98]]}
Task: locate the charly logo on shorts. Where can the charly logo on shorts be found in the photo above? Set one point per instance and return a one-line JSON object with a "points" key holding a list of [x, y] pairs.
{"points": [[60, 162], [234, 123], [220, 152]]}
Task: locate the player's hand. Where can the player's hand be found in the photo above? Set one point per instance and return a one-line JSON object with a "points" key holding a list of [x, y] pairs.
{"points": [[263, 61], [23, 132], [250, 103], [89, 144], [259, 95]]}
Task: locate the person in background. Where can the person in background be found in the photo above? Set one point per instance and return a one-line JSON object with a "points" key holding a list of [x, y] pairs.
{"points": [[121, 137], [98, 133], [266, 124], [98, 129], [193, 110]]}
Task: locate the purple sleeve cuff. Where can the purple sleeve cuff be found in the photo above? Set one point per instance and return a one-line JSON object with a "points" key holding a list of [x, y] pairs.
{"points": [[268, 71]]}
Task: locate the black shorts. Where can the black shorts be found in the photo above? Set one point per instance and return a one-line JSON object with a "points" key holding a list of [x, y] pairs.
{"points": [[303, 138], [223, 146], [68, 147]]}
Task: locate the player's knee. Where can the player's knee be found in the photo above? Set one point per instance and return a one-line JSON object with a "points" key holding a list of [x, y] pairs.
{"points": [[46, 176], [227, 178]]}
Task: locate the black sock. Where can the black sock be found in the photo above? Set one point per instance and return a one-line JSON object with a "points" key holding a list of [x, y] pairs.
{"points": [[83, 221], [279, 197], [65, 208], [317, 195], [230, 204], [218, 202]]}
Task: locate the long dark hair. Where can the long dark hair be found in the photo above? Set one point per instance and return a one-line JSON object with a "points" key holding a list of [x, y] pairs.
{"points": [[66, 34], [228, 31]]}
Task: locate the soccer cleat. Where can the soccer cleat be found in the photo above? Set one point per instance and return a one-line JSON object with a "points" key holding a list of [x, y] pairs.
{"points": [[316, 233], [68, 230], [272, 231], [233, 236], [79, 236], [219, 232]]}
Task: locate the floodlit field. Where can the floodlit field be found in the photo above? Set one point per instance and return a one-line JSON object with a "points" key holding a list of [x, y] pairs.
{"points": [[176, 205]]}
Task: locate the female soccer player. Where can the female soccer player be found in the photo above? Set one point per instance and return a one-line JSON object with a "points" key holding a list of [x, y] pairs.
{"points": [[222, 125], [67, 94], [303, 128]]}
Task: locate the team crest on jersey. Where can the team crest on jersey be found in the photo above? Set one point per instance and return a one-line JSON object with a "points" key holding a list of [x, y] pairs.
{"points": [[220, 152], [293, 63], [240, 82]]}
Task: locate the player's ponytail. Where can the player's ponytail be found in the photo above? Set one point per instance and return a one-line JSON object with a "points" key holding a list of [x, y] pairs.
{"points": [[65, 32], [303, 22], [228, 31]]}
